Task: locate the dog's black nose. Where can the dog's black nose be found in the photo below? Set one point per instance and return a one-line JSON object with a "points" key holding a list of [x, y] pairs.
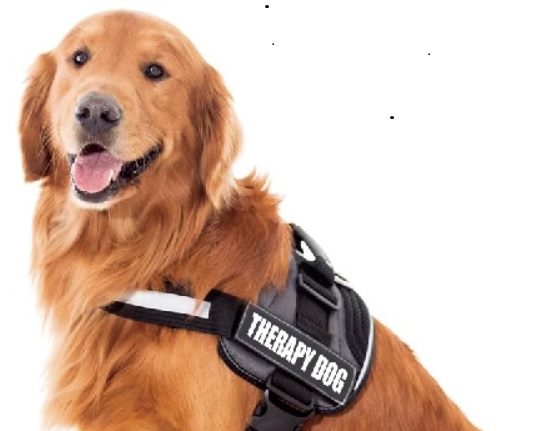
{"points": [[98, 113]]}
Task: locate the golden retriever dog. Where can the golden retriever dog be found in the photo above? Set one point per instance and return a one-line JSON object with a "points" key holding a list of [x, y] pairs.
{"points": [[133, 135]]}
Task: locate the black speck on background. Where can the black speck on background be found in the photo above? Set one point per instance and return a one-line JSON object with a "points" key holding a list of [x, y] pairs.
{"points": [[267, 6], [392, 117]]}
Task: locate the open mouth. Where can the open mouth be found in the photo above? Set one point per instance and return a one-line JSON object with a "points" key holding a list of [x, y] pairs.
{"points": [[98, 175]]}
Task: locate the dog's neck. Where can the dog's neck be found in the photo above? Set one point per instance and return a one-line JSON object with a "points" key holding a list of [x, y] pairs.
{"points": [[108, 253]]}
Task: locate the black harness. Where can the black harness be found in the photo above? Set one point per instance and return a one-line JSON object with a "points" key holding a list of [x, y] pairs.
{"points": [[309, 346]]}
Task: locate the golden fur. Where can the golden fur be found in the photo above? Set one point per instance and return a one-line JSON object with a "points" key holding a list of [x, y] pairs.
{"points": [[183, 220]]}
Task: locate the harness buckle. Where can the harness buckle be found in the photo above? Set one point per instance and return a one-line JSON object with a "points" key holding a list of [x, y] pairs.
{"points": [[307, 283], [287, 414]]}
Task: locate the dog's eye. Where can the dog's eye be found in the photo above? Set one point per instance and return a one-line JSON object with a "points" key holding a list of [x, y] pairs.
{"points": [[154, 72], [80, 57]]}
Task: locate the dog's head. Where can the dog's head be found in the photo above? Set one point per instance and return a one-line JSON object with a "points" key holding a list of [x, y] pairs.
{"points": [[123, 107]]}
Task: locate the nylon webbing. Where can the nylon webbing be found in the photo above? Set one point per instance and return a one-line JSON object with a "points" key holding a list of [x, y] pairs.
{"points": [[225, 311], [315, 302]]}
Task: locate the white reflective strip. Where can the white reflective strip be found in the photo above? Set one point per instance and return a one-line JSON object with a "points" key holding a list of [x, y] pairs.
{"points": [[168, 302], [368, 357]]}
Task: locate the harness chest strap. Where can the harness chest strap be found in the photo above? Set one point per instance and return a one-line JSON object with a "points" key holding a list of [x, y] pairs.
{"points": [[285, 344]]}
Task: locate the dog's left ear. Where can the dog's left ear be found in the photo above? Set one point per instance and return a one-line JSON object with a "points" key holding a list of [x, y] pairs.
{"points": [[218, 132], [33, 126]]}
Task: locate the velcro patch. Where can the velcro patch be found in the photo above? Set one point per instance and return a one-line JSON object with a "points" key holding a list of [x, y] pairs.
{"points": [[297, 353]]}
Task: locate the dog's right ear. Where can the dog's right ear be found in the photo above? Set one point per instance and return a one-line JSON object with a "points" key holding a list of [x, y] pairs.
{"points": [[33, 124]]}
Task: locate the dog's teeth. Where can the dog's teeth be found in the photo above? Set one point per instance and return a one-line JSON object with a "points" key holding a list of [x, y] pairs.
{"points": [[114, 173]]}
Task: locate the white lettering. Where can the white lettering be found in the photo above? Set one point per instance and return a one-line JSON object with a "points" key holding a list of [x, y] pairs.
{"points": [[255, 319], [299, 352], [339, 381], [279, 341], [320, 365], [271, 336], [262, 331], [309, 354], [329, 374], [289, 349]]}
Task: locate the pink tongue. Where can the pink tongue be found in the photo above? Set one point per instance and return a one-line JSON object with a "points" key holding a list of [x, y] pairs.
{"points": [[93, 172]]}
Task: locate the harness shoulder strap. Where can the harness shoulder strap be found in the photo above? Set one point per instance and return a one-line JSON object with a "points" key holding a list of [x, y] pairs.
{"points": [[315, 302], [218, 314]]}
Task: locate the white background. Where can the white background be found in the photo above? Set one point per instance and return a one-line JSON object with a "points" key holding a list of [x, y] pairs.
{"points": [[438, 216]]}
